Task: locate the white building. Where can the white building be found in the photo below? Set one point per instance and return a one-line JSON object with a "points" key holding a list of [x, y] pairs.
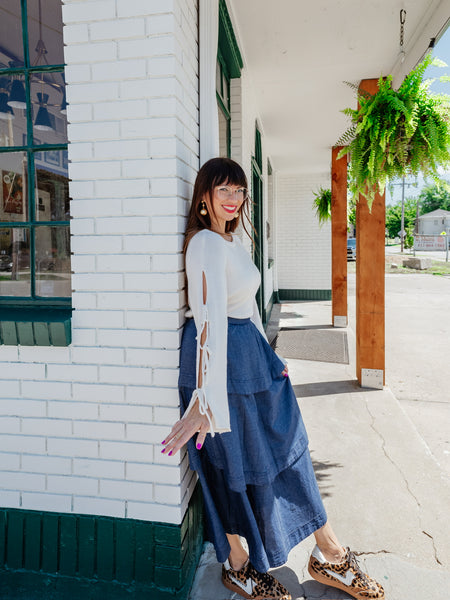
{"points": [[434, 222], [89, 334]]}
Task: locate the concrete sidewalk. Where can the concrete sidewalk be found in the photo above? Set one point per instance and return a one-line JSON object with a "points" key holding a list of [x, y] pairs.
{"points": [[385, 494]]}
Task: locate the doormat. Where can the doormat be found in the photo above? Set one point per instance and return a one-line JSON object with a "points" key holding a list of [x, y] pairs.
{"points": [[323, 345]]}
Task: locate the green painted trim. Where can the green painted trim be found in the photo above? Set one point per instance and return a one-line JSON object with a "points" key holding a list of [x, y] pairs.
{"points": [[286, 295], [58, 556], [269, 307], [227, 42], [35, 327]]}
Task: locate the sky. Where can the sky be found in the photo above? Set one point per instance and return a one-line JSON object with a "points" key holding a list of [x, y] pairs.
{"points": [[441, 51]]}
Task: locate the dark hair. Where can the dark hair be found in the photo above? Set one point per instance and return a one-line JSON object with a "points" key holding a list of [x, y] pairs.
{"points": [[216, 171]]}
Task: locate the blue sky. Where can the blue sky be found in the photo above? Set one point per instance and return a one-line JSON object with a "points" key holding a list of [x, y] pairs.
{"points": [[441, 51]]}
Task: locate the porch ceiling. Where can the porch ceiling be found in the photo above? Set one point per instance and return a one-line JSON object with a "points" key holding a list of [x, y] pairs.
{"points": [[298, 55]]}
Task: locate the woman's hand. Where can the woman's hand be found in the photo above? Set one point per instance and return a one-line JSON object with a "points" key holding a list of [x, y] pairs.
{"points": [[186, 428], [285, 371]]}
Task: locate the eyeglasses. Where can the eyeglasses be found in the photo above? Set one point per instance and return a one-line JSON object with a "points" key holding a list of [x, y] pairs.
{"points": [[224, 192]]}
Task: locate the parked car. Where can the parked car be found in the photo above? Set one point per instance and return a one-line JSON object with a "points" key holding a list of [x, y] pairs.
{"points": [[5, 262], [351, 249]]}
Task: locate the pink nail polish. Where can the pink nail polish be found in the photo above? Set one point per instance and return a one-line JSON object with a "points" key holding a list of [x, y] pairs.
{"points": [[163, 450], [170, 453], [199, 446], [285, 374], [163, 442]]}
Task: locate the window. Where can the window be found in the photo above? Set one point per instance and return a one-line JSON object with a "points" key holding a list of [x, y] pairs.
{"points": [[34, 193], [223, 101]]}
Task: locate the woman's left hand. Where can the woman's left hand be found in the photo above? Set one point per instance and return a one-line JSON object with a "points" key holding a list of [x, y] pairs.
{"points": [[193, 422], [285, 371]]}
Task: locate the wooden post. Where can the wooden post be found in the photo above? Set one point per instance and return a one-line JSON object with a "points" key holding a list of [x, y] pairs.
{"points": [[370, 268], [339, 238]]}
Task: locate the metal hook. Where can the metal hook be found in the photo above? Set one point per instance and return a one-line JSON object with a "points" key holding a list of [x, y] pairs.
{"points": [[402, 16]]}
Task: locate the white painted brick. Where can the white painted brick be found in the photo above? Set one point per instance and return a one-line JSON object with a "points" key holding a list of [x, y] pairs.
{"points": [[9, 353], [10, 499], [126, 490], [99, 431], [168, 224], [46, 464], [10, 462], [72, 410], [42, 390], [166, 86], [165, 415], [90, 53], [77, 113], [84, 337], [150, 46], [162, 66], [165, 377], [99, 506], [9, 389], [98, 282], [153, 434], [96, 245], [119, 70], [88, 11], [169, 301], [92, 92], [165, 187], [21, 371], [163, 146], [80, 226], [45, 354], [122, 337], [77, 74], [105, 356], [48, 502], [154, 512], [104, 130], [120, 110], [127, 414], [124, 301], [98, 392], [160, 24], [117, 29], [10, 425], [166, 339], [93, 170], [74, 34], [46, 427], [98, 318], [123, 226], [125, 375], [104, 469], [63, 484], [153, 473], [152, 320], [72, 447], [83, 151], [131, 8], [19, 408], [121, 148], [23, 481], [72, 372], [126, 451], [153, 244], [161, 282], [84, 263], [167, 494], [123, 263], [145, 395], [149, 206], [167, 262], [153, 358], [81, 189], [150, 127]]}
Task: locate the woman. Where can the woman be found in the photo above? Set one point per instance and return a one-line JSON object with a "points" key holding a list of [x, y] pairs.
{"points": [[254, 467]]}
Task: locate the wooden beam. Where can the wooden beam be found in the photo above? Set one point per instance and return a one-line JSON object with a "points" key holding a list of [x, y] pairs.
{"points": [[370, 283], [339, 238]]}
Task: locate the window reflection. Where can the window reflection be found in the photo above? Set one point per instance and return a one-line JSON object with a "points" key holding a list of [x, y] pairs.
{"points": [[53, 261], [14, 262], [45, 32], [13, 188], [11, 46], [13, 122], [52, 186], [47, 97]]}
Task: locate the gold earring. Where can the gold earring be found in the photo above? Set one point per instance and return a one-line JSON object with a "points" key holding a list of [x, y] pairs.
{"points": [[203, 210]]}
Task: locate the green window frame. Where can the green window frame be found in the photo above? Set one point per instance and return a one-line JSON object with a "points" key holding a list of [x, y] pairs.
{"points": [[40, 316], [223, 99]]}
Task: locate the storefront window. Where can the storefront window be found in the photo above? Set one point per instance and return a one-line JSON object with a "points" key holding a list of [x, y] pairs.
{"points": [[34, 194]]}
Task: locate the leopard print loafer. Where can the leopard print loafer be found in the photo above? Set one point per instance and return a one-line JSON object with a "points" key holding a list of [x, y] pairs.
{"points": [[251, 584], [345, 575]]}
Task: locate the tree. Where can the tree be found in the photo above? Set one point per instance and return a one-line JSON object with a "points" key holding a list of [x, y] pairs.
{"points": [[394, 217], [434, 196]]}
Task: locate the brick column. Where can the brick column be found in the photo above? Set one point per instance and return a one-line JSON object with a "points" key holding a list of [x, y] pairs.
{"points": [[370, 303], [339, 238]]}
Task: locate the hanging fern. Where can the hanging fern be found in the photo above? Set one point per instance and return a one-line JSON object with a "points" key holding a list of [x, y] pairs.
{"points": [[397, 133], [322, 204]]}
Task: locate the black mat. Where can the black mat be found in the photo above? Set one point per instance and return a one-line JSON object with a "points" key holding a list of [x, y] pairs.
{"points": [[323, 345]]}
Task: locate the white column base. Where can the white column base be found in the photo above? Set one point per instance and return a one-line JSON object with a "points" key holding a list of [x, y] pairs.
{"points": [[340, 321], [372, 378]]}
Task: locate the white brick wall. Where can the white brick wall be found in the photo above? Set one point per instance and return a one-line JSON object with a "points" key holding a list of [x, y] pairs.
{"points": [[82, 425], [303, 248]]}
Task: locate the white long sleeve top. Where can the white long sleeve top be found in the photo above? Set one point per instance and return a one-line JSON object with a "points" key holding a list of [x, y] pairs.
{"points": [[231, 280]]}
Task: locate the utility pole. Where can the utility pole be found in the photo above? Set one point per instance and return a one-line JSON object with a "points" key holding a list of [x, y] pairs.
{"points": [[402, 226]]}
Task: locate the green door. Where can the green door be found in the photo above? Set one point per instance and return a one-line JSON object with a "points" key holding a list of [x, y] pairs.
{"points": [[258, 233]]}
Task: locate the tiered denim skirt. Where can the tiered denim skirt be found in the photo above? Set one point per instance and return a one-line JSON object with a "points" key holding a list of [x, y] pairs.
{"points": [[257, 480]]}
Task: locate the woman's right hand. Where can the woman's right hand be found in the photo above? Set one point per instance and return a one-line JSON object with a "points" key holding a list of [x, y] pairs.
{"points": [[185, 429]]}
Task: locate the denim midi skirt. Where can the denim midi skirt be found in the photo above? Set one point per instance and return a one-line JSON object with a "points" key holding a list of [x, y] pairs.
{"points": [[257, 480]]}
